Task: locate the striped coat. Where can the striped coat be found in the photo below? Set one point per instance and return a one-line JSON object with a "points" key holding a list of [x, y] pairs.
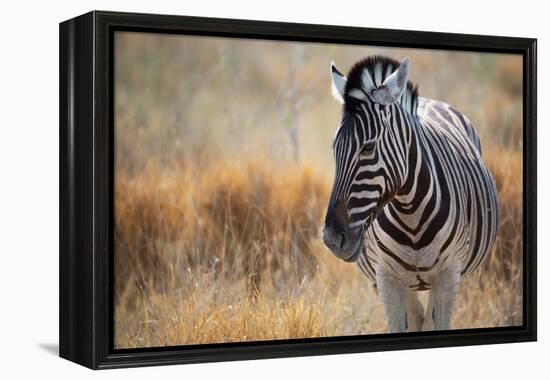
{"points": [[412, 202]]}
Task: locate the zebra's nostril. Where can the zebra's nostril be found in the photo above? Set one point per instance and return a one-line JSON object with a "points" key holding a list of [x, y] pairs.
{"points": [[334, 239], [342, 241], [331, 238]]}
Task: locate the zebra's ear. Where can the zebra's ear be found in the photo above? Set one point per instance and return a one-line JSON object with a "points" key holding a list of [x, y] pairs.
{"points": [[390, 91], [338, 83]]}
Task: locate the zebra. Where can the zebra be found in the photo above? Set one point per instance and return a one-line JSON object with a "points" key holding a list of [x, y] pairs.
{"points": [[412, 202]]}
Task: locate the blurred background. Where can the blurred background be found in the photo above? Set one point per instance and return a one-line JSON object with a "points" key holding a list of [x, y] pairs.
{"points": [[223, 170]]}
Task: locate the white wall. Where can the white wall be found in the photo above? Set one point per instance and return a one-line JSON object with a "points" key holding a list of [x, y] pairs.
{"points": [[29, 186]]}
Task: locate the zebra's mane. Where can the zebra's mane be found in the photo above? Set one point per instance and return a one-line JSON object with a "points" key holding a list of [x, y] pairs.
{"points": [[370, 73]]}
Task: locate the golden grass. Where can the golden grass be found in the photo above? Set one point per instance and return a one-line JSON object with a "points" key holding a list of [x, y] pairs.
{"points": [[232, 253]]}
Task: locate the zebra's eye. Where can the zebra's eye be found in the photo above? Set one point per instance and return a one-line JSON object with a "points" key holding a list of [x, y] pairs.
{"points": [[368, 148]]}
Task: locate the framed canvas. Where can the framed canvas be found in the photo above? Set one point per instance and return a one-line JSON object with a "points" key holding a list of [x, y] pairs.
{"points": [[235, 189]]}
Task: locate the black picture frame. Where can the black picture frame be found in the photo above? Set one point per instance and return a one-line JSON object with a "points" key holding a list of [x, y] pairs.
{"points": [[86, 188]]}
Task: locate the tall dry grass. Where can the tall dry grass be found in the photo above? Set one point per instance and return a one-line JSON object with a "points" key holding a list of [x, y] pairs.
{"points": [[233, 254]]}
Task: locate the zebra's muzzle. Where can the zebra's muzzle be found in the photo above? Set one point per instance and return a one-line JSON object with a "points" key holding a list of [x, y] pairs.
{"points": [[344, 245], [355, 254]]}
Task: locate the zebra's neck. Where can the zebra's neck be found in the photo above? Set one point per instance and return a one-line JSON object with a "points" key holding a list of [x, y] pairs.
{"points": [[420, 183]]}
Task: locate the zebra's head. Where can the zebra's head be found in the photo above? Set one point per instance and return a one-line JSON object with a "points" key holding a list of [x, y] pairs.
{"points": [[370, 149]]}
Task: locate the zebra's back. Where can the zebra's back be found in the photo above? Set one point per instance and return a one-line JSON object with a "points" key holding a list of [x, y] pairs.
{"points": [[446, 116]]}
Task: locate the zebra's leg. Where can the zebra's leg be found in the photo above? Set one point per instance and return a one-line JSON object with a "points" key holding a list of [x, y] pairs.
{"points": [[393, 297], [415, 312], [440, 304], [428, 323]]}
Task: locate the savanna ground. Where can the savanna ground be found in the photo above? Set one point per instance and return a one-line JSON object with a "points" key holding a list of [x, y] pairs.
{"points": [[223, 170]]}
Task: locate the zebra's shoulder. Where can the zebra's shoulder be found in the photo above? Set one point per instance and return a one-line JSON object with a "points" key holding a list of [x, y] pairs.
{"points": [[443, 115]]}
